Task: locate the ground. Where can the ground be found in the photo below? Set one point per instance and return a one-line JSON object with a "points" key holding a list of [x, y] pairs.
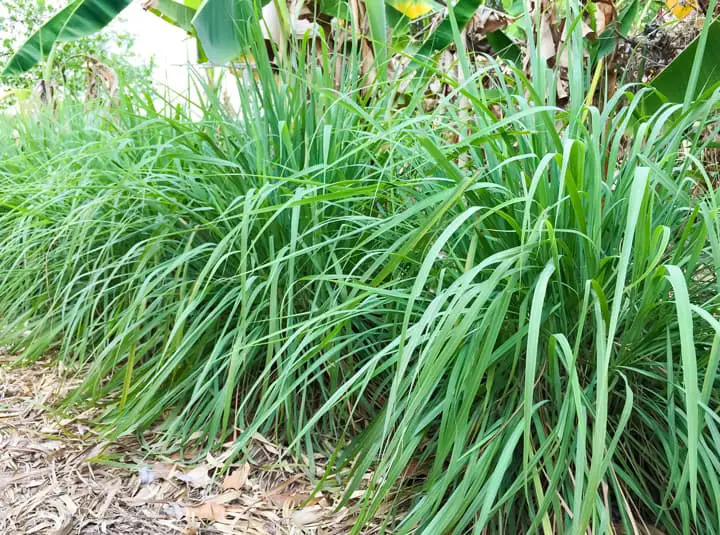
{"points": [[55, 476]]}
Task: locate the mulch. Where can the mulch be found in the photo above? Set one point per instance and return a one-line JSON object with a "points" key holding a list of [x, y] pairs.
{"points": [[58, 476]]}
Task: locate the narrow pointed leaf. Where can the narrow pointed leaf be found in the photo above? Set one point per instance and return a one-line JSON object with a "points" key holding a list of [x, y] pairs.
{"points": [[378, 32]]}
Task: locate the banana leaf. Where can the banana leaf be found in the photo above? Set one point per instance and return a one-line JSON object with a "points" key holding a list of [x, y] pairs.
{"points": [[672, 81], [464, 10], [79, 19], [504, 47], [224, 27], [442, 37], [218, 25], [176, 13]]}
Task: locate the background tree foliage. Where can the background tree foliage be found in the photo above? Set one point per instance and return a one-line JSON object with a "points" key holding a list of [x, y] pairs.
{"points": [[112, 47]]}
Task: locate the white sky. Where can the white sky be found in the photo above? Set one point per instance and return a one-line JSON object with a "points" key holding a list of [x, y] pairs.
{"points": [[155, 38], [172, 50], [168, 45]]}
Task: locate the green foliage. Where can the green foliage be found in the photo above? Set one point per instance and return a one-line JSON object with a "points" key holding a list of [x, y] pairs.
{"points": [[221, 26], [519, 300], [681, 68], [176, 13], [19, 19], [443, 35], [78, 19]]}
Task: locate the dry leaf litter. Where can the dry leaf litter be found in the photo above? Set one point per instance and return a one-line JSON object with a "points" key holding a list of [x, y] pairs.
{"points": [[55, 478]]}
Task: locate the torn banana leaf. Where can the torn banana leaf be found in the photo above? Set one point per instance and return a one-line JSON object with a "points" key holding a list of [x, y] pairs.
{"points": [[79, 19]]}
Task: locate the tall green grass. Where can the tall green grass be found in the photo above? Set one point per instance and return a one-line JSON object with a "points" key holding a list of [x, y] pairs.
{"points": [[522, 308]]}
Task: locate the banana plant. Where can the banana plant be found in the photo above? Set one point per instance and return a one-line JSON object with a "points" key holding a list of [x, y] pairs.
{"points": [[693, 75], [79, 19], [220, 26], [180, 14]]}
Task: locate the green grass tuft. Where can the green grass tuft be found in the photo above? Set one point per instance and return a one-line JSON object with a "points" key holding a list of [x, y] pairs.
{"points": [[524, 307]]}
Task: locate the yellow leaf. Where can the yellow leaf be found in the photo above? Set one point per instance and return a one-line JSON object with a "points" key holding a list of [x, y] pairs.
{"points": [[412, 9], [680, 8]]}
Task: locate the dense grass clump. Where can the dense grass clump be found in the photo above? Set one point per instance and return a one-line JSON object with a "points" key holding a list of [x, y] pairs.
{"points": [[519, 300]]}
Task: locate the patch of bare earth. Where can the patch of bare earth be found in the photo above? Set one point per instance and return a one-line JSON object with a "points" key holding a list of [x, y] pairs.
{"points": [[52, 480]]}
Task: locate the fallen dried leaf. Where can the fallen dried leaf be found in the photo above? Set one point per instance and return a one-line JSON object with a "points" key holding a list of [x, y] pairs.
{"points": [[277, 488], [156, 471], [50, 484], [547, 42], [308, 515], [487, 20], [173, 510], [604, 15], [289, 499], [207, 511], [197, 477], [237, 479]]}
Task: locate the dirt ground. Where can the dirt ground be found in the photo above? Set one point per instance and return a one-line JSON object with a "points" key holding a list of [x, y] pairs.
{"points": [[56, 477]]}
